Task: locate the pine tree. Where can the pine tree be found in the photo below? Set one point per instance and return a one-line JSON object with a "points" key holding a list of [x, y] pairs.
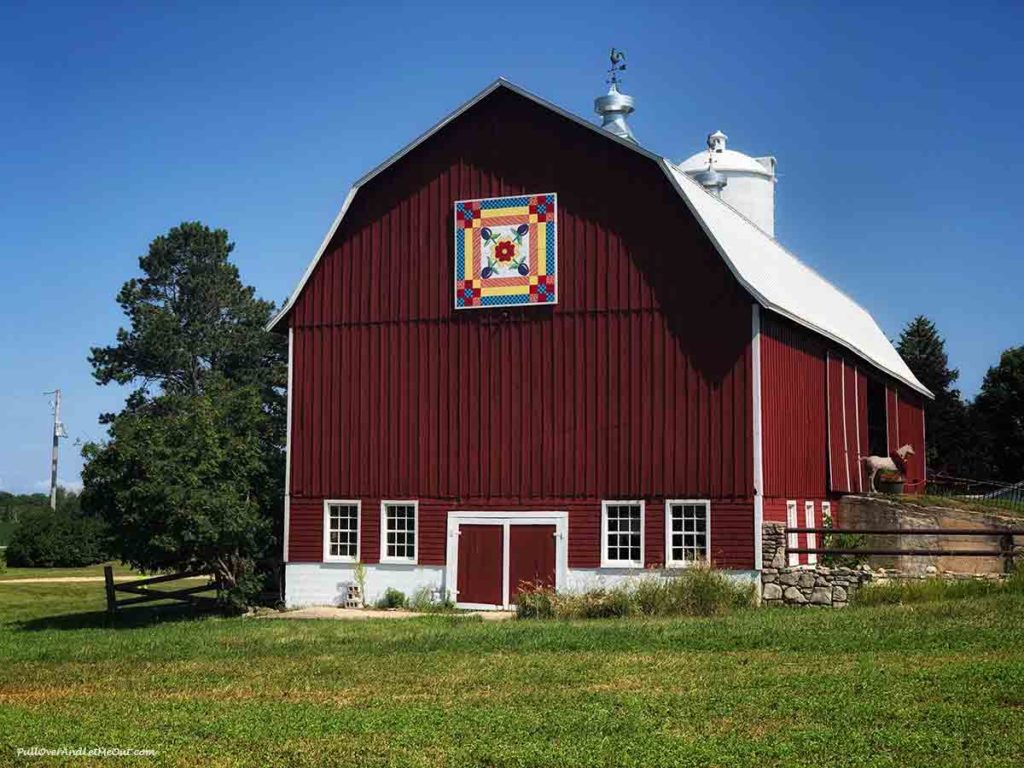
{"points": [[999, 409], [949, 439]]}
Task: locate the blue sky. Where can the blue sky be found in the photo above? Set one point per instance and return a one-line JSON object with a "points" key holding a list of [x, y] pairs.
{"points": [[898, 131]]}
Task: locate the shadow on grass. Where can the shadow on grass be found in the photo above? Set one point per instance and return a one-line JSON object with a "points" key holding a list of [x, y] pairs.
{"points": [[137, 617]]}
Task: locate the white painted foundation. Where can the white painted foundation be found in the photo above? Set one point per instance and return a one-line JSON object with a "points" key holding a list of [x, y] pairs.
{"points": [[327, 583]]}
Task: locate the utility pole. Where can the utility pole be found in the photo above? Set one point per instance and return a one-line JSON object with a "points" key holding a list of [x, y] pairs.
{"points": [[58, 433]]}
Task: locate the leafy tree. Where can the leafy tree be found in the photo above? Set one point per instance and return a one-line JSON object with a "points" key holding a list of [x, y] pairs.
{"points": [[45, 538], [999, 409], [951, 442], [178, 482], [192, 473]]}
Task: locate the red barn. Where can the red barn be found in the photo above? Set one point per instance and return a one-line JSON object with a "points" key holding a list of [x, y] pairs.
{"points": [[531, 350]]}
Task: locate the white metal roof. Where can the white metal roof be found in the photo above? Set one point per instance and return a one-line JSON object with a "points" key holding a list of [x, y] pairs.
{"points": [[784, 284], [774, 277]]}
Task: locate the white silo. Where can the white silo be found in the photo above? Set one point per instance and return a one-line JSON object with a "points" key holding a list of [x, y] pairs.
{"points": [[744, 182]]}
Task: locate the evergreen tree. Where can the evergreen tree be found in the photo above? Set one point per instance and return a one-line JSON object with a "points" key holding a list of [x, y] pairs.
{"points": [[192, 473], [949, 438], [999, 410]]}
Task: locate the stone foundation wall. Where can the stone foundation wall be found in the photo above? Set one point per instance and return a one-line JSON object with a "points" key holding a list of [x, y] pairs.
{"points": [[805, 585], [818, 585]]}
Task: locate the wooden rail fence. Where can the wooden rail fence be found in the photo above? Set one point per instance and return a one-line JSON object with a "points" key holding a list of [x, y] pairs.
{"points": [[142, 592], [1007, 550]]}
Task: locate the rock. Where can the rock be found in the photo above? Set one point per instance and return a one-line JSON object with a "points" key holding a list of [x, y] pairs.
{"points": [[794, 596], [839, 594], [821, 596], [771, 592], [823, 570], [789, 579], [806, 579], [931, 569]]}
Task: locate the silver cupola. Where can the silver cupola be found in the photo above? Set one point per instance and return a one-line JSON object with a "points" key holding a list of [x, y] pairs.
{"points": [[615, 107]]}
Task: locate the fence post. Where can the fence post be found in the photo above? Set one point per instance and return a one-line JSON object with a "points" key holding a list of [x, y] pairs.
{"points": [[1006, 550], [108, 578]]}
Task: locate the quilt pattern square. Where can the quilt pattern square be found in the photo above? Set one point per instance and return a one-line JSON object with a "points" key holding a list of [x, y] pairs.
{"points": [[506, 251]]}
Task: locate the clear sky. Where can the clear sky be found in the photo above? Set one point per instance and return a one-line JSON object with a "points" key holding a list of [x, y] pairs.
{"points": [[899, 132]]}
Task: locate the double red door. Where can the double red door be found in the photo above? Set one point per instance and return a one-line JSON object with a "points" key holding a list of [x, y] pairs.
{"points": [[484, 573]]}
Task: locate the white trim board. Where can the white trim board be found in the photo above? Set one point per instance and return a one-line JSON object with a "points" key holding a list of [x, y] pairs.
{"points": [[507, 519], [755, 356]]}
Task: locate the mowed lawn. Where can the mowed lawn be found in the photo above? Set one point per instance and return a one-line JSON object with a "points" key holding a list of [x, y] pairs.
{"points": [[937, 684]]}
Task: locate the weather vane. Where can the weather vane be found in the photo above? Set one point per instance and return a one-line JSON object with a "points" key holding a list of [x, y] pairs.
{"points": [[618, 60]]}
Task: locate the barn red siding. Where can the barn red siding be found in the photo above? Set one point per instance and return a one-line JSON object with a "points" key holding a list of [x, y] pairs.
{"points": [[619, 391], [911, 430], [805, 379], [732, 532], [793, 426]]}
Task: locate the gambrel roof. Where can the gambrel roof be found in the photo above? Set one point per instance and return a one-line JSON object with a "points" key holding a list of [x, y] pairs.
{"points": [[775, 278]]}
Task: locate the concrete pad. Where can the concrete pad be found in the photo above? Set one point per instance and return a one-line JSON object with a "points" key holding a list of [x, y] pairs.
{"points": [[355, 614]]}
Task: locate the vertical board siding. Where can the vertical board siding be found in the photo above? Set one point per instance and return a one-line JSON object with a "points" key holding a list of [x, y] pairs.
{"points": [[911, 430], [793, 424], [617, 391], [840, 479], [804, 380]]}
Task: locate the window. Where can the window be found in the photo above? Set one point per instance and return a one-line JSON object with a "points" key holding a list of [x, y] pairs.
{"points": [[687, 532], [398, 531], [341, 531], [622, 533]]}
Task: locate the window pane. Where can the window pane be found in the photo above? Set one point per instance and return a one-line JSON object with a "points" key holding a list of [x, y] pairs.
{"points": [[622, 527], [400, 523], [691, 521]]}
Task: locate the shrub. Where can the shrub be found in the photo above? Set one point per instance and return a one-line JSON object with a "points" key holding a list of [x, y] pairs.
{"points": [[48, 539], [840, 541], [535, 601], [702, 591], [393, 598]]}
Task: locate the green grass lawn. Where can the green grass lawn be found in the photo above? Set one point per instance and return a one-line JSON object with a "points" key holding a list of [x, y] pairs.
{"points": [[93, 571], [929, 684]]}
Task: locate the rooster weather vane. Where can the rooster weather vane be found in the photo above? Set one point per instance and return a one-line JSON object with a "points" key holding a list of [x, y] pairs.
{"points": [[618, 60]]}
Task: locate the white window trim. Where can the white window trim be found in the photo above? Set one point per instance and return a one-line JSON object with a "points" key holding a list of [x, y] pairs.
{"points": [[605, 562], [669, 562], [328, 557], [415, 504]]}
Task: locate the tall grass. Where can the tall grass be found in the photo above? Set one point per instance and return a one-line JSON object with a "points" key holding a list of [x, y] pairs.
{"points": [[934, 590], [694, 591]]}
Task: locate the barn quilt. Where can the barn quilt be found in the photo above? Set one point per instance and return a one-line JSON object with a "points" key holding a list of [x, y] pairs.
{"points": [[505, 251]]}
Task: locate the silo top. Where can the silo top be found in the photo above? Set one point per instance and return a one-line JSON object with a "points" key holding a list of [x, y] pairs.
{"points": [[723, 160]]}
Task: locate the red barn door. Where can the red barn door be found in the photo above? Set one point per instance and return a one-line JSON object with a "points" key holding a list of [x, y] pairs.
{"points": [[531, 557], [481, 564]]}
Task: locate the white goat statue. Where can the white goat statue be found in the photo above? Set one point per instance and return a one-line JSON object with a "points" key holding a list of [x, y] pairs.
{"points": [[895, 463]]}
